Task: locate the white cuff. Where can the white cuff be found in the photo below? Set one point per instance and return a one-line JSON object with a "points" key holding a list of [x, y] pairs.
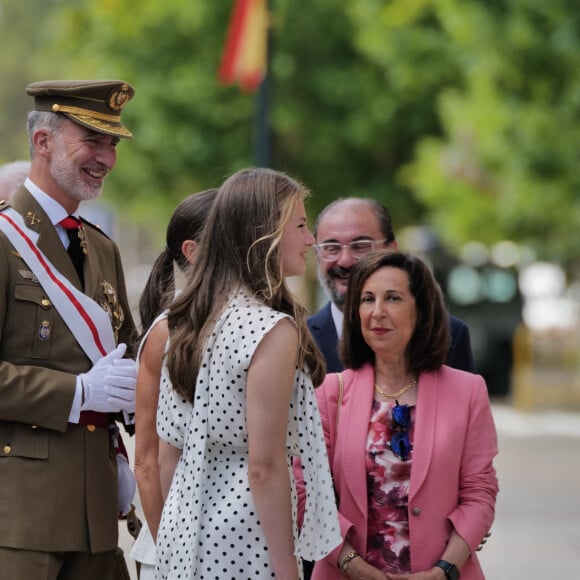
{"points": [[75, 410]]}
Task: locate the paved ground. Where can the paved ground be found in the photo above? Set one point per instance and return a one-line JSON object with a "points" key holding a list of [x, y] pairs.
{"points": [[536, 533]]}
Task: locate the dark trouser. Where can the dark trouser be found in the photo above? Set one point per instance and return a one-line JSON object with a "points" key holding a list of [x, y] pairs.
{"points": [[28, 565]]}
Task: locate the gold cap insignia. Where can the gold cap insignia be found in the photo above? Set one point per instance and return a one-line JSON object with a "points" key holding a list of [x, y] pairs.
{"points": [[118, 98]]}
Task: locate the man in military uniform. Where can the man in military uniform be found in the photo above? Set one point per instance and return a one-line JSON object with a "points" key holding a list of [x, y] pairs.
{"points": [[64, 323]]}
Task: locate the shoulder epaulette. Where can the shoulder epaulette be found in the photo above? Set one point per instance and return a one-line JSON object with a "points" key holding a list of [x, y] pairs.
{"points": [[4, 204], [94, 226]]}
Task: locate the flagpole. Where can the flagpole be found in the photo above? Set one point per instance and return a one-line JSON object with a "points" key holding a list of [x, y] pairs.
{"points": [[261, 115]]}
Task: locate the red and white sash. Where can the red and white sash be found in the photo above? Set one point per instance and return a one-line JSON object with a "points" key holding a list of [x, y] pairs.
{"points": [[88, 322]]}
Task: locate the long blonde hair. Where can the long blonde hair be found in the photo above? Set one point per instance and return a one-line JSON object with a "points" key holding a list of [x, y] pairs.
{"points": [[239, 248]]}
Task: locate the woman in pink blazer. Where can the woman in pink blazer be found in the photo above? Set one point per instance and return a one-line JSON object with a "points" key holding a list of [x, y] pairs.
{"points": [[411, 441]]}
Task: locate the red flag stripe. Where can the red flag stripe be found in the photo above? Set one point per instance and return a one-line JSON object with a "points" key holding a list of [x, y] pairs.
{"points": [[244, 56], [232, 47]]}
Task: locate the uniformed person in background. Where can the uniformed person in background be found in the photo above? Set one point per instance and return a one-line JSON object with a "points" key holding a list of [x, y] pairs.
{"points": [[12, 176], [64, 323]]}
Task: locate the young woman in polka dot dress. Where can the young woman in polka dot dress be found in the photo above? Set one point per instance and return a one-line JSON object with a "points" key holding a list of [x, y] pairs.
{"points": [[237, 396]]}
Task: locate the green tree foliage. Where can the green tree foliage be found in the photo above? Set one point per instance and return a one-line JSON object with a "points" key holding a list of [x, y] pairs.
{"points": [[22, 41], [506, 164], [333, 124], [189, 131], [459, 113], [336, 122]]}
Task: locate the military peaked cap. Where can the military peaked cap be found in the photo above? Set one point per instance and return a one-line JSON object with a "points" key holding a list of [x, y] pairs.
{"points": [[96, 105]]}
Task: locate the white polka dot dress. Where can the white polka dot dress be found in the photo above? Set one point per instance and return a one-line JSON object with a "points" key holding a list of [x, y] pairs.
{"points": [[209, 527]]}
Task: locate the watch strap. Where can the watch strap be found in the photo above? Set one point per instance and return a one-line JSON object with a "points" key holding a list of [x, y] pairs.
{"points": [[451, 571]]}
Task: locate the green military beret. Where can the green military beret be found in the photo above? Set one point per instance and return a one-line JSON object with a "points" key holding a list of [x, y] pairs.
{"points": [[96, 105]]}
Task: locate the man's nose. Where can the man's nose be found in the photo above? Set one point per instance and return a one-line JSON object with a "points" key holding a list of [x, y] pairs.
{"points": [[107, 155], [345, 259]]}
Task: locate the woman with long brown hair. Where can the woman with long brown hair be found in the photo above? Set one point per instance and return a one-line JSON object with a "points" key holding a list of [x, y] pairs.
{"points": [[237, 395]]}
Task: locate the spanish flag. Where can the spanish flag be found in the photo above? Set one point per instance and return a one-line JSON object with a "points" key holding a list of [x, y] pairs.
{"points": [[244, 56]]}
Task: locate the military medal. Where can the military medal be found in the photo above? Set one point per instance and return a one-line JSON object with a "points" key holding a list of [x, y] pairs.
{"points": [[83, 238], [112, 307]]}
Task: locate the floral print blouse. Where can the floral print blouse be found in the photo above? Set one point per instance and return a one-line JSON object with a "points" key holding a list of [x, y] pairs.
{"points": [[388, 478]]}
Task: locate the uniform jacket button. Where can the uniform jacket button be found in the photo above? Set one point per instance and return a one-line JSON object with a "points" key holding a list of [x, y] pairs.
{"points": [[416, 511], [7, 450]]}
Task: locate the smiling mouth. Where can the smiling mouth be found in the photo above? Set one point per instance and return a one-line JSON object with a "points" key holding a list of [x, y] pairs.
{"points": [[100, 175], [340, 276]]}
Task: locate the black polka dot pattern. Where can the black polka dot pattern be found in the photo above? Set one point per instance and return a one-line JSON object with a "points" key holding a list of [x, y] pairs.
{"points": [[209, 527]]}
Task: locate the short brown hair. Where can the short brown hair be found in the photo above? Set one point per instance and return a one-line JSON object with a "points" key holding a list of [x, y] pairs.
{"points": [[429, 344]]}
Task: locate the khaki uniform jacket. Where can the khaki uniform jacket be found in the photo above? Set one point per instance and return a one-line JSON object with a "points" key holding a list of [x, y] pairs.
{"points": [[58, 481]]}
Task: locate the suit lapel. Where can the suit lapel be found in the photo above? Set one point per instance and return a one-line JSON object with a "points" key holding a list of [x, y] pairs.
{"points": [[322, 327], [353, 431], [90, 266], [424, 436]]}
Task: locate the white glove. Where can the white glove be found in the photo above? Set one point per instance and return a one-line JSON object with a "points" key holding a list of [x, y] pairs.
{"points": [[127, 485], [109, 386]]}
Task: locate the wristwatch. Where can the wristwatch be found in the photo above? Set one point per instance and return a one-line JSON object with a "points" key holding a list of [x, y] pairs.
{"points": [[451, 571]]}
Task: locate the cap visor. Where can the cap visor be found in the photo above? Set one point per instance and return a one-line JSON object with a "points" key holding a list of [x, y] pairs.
{"points": [[114, 129]]}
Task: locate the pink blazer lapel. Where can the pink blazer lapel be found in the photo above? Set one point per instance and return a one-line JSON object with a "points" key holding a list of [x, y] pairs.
{"points": [[424, 436], [353, 426]]}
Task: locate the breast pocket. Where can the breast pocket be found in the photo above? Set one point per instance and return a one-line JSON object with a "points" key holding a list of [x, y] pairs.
{"points": [[23, 441], [35, 306]]}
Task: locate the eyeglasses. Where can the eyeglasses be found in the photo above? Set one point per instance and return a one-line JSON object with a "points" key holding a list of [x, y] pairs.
{"points": [[330, 251], [399, 443]]}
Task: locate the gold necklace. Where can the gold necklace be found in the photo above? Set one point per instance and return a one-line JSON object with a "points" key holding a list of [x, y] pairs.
{"points": [[396, 395]]}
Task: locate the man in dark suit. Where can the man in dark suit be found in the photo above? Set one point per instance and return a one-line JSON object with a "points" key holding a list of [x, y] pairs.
{"points": [[346, 230], [63, 316]]}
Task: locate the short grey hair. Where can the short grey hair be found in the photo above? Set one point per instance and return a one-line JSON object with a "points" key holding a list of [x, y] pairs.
{"points": [[52, 122]]}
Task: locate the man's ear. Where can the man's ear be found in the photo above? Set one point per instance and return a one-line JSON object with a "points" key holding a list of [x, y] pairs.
{"points": [[394, 246], [189, 249], [41, 139]]}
